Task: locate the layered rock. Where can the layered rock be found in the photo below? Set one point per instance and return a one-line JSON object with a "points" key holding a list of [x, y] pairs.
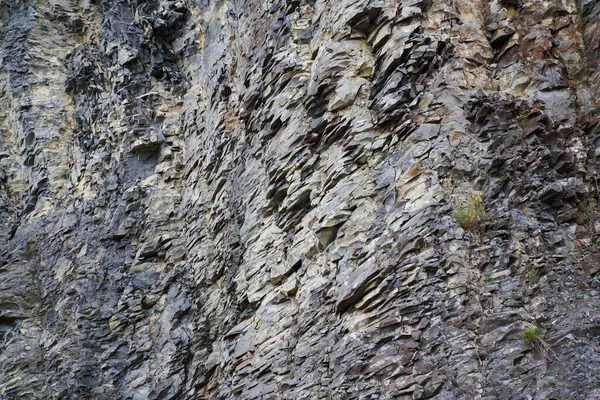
{"points": [[239, 199]]}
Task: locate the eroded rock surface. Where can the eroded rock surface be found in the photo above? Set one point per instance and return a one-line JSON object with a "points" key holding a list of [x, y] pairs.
{"points": [[243, 199]]}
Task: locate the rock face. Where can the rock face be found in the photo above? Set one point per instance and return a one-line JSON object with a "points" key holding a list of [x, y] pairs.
{"points": [[250, 199]]}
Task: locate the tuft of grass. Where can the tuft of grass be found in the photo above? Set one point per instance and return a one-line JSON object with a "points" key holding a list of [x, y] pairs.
{"points": [[551, 383], [488, 279], [471, 213], [522, 117], [31, 247], [532, 274], [531, 333]]}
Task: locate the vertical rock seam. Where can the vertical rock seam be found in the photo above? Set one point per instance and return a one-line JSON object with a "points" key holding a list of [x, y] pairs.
{"points": [[299, 199]]}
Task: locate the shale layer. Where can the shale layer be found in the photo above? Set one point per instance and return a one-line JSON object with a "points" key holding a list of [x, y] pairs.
{"points": [[252, 199]]}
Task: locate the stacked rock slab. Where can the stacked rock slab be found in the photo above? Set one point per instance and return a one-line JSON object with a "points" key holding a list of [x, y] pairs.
{"points": [[243, 199]]}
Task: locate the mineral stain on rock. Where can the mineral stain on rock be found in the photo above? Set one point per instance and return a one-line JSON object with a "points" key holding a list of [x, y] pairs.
{"points": [[241, 199]]}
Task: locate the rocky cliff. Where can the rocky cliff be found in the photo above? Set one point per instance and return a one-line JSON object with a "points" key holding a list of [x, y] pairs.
{"points": [[299, 199]]}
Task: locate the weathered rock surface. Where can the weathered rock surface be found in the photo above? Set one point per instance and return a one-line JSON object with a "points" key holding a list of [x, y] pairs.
{"points": [[243, 199]]}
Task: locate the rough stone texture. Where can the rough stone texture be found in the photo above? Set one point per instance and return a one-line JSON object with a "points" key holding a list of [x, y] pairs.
{"points": [[244, 199]]}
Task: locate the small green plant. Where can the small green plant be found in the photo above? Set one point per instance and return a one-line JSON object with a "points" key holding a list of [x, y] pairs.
{"points": [[31, 247], [522, 117], [531, 333], [532, 274], [471, 213], [551, 383], [488, 279]]}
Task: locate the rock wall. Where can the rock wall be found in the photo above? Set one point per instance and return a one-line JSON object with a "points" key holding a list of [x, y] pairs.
{"points": [[251, 199]]}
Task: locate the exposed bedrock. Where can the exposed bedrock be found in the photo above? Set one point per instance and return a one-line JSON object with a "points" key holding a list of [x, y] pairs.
{"points": [[299, 199]]}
